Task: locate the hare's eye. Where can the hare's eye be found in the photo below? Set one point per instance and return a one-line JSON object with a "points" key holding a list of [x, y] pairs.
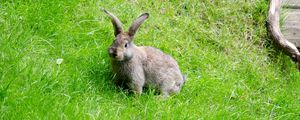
{"points": [[126, 45]]}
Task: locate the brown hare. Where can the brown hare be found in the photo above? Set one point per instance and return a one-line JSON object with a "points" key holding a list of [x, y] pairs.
{"points": [[142, 66]]}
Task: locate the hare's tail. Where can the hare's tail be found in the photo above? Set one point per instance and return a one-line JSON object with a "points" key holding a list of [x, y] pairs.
{"points": [[184, 77]]}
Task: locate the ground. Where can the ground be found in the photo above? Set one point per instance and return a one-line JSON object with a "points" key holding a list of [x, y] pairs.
{"points": [[54, 62]]}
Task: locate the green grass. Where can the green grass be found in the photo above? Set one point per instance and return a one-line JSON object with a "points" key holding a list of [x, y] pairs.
{"points": [[234, 71]]}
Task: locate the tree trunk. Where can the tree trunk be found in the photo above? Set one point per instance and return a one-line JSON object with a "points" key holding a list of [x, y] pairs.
{"points": [[275, 32]]}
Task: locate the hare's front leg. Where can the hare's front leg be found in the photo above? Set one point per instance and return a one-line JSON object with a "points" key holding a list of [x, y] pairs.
{"points": [[137, 83]]}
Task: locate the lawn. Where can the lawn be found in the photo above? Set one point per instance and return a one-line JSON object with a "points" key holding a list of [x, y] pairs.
{"points": [[234, 70]]}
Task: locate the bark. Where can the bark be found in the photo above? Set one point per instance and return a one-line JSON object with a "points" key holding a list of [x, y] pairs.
{"points": [[273, 25]]}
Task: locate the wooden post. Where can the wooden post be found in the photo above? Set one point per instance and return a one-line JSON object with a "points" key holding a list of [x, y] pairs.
{"points": [[275, 32]]}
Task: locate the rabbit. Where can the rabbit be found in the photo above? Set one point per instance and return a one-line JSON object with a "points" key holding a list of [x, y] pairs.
{"points": [[142, 66]]}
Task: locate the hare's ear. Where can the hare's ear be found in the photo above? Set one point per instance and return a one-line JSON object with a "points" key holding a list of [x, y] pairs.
{"points": [[115, 21], [137, 23]]}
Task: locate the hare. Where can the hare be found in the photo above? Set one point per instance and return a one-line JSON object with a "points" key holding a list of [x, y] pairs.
{"points": [[142, 66]]}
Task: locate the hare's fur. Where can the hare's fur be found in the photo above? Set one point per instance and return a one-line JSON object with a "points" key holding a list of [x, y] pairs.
{"points": [[142, 66]]}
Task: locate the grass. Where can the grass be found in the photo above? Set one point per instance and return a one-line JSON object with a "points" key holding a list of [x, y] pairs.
{"points": [[234, 71]]}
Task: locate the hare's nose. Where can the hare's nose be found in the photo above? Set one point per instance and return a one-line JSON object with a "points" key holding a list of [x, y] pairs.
{"points": [[114, 54]]}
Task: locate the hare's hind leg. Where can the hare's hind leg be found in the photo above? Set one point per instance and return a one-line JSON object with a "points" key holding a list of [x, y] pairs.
{"points": [[170, 87]]}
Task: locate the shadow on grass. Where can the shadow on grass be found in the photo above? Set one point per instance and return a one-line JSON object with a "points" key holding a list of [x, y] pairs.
{"points": [[101, 77], [104, 80], [278, 57]]}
